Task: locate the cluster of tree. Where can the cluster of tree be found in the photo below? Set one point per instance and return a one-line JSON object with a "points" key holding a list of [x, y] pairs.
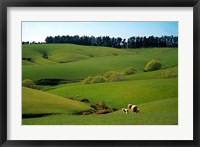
{"points": [[151, 41], [152, 65], [132, 42], [110, 76], [86, 40], [27, 42]]}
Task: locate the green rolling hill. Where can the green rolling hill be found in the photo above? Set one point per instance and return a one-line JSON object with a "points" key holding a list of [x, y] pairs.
{"points": [[155, 92]]}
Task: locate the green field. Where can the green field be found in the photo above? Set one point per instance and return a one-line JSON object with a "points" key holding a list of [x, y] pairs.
{"points": [[155, 92]]}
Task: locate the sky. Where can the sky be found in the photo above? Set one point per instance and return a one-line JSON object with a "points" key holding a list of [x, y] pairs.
{"points": [[38, 31]]}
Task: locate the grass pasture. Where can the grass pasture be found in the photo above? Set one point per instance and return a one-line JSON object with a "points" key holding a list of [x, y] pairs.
{"points": [[64, 53], [115, 93], [155, 92], [148, 116], [38, 102]]}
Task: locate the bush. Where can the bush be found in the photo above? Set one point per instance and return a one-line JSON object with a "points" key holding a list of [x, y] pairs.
{"points": [[71, 97], [45, 56], [85, 100], [168, 74], [95, 79], [115, 109], [102, 108], [95, 106], [103, 105], [152, 65], [108, 74], [28, 83], [129, 70], [86, 113], [87, 80], [115, 76], [103, 111], [107, 77], [98, 79]]}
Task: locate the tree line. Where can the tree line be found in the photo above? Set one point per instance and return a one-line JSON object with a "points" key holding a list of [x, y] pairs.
{"points": [[118, 42]]}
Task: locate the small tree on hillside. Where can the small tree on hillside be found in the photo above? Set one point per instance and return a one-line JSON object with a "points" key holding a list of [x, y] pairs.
{"points": [[152, 65], [108, 74], [27, 83], [115, 76], [97, 79], [87, 80], [129, 70], [103, 105]]}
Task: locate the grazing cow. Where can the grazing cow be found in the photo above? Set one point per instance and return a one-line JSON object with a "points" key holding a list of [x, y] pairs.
{"points": [[129, 106], [125, 110], [134, 108]]}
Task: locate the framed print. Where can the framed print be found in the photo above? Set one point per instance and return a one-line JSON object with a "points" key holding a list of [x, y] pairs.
{"points": [[99, 72]]}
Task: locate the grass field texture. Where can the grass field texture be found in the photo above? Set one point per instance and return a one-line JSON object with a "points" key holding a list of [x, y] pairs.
{"points": [[154, 92]]}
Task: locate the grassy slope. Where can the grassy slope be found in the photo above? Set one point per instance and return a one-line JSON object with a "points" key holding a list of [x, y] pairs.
{"points": [[83, 68], [153, 113], [38, 102], [99, 65], [63, 53], [156, 97], [119, 94], [154, 74], [158, 74]]}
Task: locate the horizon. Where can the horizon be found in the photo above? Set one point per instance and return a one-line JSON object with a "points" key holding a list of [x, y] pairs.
{"points": [[40, 30]]}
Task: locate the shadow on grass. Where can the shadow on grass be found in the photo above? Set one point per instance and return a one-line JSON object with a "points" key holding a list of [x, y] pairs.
{"points": [[35, 115], [54, 82]]}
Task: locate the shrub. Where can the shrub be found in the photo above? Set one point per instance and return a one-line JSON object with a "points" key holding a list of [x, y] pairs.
{"points": [[115, 109], [102, 108], [86, 113], [152, 65], [168, 74], [72, 98], [95, 106], [98, 79], [103, 111], [28, 83], [85, 100], [129, 70], [45, 56], [103, 105], [87, 80], [108, 74], [115, 76]]}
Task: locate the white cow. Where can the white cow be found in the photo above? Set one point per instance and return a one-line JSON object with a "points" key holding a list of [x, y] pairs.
{"points": [[125, 110], [134, 108]]}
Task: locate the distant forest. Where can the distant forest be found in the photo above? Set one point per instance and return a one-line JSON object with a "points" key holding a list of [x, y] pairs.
{"points": [[132, 42]]}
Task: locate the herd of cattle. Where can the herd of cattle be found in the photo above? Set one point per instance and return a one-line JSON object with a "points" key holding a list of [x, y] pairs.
{"points": [[133, 108]]}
